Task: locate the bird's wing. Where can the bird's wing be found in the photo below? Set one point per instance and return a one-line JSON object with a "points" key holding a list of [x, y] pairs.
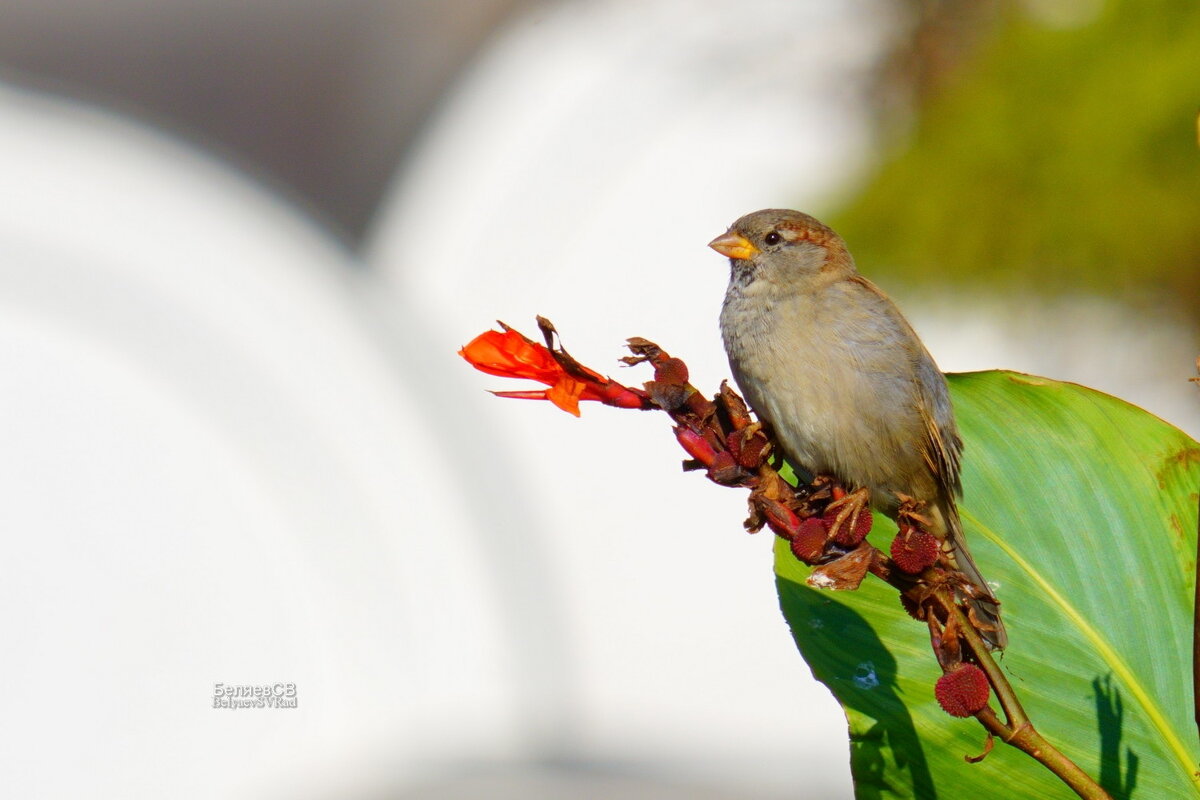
{"points": [[942, 448]]}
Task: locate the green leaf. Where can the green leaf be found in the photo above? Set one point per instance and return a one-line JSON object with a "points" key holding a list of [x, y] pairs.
{"points": [[1081, 510]]}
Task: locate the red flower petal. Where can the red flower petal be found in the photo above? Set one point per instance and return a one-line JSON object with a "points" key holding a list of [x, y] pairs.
{"points": [[566, 393], [508, 354]]}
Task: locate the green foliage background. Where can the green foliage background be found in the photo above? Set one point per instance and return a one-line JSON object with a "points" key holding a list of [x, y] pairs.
{"points": [[1061, 158]]}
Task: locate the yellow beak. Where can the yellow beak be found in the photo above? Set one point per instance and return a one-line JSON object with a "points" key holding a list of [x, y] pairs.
{"points": [[734, 246]]}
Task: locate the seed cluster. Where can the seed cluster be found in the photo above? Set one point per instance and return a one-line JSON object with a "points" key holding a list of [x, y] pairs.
{"points": [[962, 691]]}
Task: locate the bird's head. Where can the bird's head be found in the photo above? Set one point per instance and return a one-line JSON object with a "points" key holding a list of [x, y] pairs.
{"points": [[782, 246]]}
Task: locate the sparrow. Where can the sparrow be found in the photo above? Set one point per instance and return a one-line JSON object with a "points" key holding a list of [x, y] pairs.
{"points": [[834, 369]]}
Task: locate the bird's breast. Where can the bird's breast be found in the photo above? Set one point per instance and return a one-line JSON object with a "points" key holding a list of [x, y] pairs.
{"points": [[833, 376]]}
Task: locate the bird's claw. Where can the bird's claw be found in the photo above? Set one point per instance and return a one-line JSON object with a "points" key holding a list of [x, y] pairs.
{"points": [[849, 506]]}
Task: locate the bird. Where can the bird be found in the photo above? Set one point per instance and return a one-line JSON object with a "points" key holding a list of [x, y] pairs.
{"points": [[836, 372]]}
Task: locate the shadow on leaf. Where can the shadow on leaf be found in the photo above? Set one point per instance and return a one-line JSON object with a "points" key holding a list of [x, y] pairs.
{"points": [[847, 656], [1110, 717]]}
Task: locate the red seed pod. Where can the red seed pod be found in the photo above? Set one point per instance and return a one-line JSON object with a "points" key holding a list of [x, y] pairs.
{"points": [[962, 691], [850, 536], [808, 542], [671, 370], [913, 550], [733, 442], [753, 450], [696, 445], [911, 608]]}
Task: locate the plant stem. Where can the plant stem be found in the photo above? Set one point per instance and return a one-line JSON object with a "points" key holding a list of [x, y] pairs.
{"points": [[1013, 710], [1019, 731], [1028, 740]]}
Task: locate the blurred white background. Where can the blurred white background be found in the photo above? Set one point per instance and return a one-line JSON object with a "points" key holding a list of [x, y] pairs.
{"points": [[239, 448]]}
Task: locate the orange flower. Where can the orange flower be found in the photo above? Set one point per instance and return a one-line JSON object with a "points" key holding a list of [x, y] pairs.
{"points": [[510, 355]]}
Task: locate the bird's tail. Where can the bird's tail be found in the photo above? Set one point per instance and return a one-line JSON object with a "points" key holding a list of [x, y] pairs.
{"points": [[982, 601]]}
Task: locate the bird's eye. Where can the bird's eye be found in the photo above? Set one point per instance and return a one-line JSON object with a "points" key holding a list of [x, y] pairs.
{"points": [[773, 238]]}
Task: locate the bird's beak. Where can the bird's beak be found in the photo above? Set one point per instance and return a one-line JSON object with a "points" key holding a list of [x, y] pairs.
{"points": [[734, 246]]}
